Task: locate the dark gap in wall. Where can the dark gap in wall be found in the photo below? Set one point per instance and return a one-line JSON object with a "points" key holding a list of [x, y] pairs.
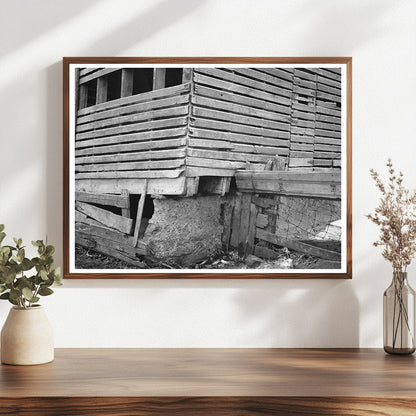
{"points": [[142, 80]]}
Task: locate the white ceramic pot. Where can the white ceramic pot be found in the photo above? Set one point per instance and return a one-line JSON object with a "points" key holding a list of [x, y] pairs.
{"points": [[27, 337]]}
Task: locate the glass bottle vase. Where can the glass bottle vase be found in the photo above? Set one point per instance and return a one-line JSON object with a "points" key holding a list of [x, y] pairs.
{"points": [[399, 316]]}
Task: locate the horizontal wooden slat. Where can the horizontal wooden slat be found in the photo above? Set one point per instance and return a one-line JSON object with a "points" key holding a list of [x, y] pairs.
{"points": [[300, 154], [328, 126], [148, 174], [328, 147], [329, 97], [327, 81], [261, 76], [302, 139], [290, 183], [235, 147], [86, 71], [331, 73], [302, 130], [303, 123], [328, 111], [130, 147], [304, 91], [238, 119], [329, 119], [300, 161], [326, 155], [303, 115], [105, 217], [328, 133], [307, 74], [194, 171], [301, 146], [120, 201], [303, 83], [239, 109], [201, 90], [96, 74], [214, 154], [247, 82], [134, 118], [328, 140], [135, 108], [152, 164], [146, 125], [214, 163], [297, 245], [135, 137], [134, 156], [328, 89], [240, 89], [238, 138], [239, 128], [137, 98]]}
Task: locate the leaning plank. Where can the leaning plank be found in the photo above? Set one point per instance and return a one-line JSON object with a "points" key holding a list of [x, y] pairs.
{"points": [[115, 200], [108, 248], [297, 245], [107, 218], [83, 219], [139, 215], [124, 240]]}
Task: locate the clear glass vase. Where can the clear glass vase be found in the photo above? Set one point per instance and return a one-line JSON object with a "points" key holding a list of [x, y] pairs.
{"points": [[399, 316]]}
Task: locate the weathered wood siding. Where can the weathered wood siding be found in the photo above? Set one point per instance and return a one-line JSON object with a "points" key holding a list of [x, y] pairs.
{"points": [[140, 136], [241, 115], [238, 115]]}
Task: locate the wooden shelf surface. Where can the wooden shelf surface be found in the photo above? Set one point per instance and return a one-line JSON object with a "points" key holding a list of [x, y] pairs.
{"points": [[231, 381]]}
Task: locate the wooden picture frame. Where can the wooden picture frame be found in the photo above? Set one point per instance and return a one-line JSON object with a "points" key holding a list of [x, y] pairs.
{"points": [[207, 167]]}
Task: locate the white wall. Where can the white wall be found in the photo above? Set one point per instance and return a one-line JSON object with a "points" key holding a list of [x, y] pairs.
{"points": [[380, 35]]}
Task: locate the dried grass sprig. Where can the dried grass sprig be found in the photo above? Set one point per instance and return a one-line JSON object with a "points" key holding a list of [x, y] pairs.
{"points": [[396, 217]]}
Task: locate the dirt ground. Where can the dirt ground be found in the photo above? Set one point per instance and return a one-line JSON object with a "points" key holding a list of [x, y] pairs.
{"points": [[286, 259]]}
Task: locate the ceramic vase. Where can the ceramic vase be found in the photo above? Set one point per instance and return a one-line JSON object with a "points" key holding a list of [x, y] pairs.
{"points": [[27, 337]]}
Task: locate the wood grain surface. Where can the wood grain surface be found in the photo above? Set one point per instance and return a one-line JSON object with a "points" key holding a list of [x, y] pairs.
{"points": [[208, 381]]}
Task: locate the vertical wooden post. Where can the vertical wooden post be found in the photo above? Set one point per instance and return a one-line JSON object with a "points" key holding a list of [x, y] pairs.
{"points": [[125, 212], [159, 75], [126, 82], [244, 223], [139, 214], [83, 96], [187, 75], [101, 90]]}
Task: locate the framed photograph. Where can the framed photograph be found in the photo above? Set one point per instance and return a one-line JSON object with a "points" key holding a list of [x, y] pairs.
{"points": [[207, 168]]}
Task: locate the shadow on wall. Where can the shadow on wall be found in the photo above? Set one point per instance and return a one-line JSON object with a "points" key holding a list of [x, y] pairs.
{"points": [[41, 16], [301, 313]]}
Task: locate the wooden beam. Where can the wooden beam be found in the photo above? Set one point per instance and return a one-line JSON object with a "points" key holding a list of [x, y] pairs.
{"points": [[125, 211], [126, 82], [83, 96], [159, 76], [139, 215], [101, 96], [186, 75]]}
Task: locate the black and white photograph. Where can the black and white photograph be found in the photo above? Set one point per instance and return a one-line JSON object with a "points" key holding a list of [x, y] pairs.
{"points": [[207, 169]]}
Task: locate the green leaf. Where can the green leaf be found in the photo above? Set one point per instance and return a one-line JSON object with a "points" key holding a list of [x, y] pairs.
{"points": [[37, 243], [2, 227], [26, 264], [58, 276], [2, 236], [45, 291], [49, 250], [15, 294], [21, 255], [27, 293], [43, 274]]}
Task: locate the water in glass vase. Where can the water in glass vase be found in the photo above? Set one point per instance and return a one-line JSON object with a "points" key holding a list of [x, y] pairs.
{"points": [[399, 316]]}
